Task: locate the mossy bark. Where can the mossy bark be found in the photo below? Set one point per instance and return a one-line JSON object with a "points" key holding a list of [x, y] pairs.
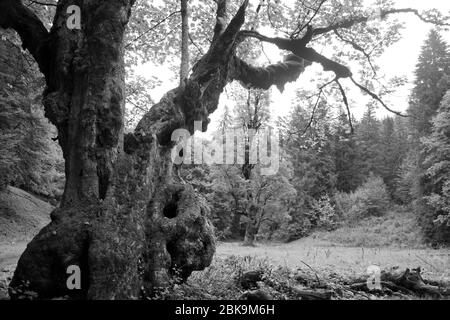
{"points": [[125, 220]]}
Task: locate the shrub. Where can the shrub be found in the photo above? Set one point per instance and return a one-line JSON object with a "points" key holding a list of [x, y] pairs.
{"points": [[293, 230], [434, 215], [371, 199], [324, 213], [221, 281]]}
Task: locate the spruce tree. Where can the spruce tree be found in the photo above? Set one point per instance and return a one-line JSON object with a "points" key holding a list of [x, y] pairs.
{"points": [[368, 142], [345, 156], [437, 177], [432, 81]]}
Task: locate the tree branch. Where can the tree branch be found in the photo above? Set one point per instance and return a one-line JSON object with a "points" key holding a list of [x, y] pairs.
{"points": [[152, 28], [185, 59], [348, 23], [376, 97], [264, 77], [34, 35], [357, 47], [43, 3], [300, 27], [344, 98], [221, 18], [298, 47]]}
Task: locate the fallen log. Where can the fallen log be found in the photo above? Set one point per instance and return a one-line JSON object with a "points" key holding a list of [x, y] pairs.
{"points": [[409, 281], [313, 294]]}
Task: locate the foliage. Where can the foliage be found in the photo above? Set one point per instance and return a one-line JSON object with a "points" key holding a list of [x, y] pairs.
{"points": [[398, 228], [29, 159], [425, 175], [438, 173], [407, 184], [325, 213], [232, 194], [371, 199], [432, 82], [221, 281], [346, 155]]}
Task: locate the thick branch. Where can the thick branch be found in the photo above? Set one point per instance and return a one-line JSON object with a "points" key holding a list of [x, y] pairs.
{"points": [[298, 47], [221, 18], [264, 77], [235, 24], [34, 35], [180, 107]]}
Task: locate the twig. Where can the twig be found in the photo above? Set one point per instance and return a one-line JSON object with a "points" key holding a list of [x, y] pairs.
{"points": [[344, 98], [376, 97], [317, 277]]}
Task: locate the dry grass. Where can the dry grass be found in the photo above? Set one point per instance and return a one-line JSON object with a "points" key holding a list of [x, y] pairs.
{"points": [[326, 258], [397, 228]]}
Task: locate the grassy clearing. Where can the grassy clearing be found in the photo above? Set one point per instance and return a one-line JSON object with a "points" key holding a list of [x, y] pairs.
{"points": [[396, 229], [327, 258], [304, 265]]}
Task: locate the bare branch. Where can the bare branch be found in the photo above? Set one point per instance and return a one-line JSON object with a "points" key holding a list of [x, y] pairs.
{"points": [[357, 47], [376, 97], [269, 17], [344, 98], [196, 45], [302, 27], [160, 22]]}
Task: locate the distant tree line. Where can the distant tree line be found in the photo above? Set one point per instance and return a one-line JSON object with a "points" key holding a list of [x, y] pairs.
{"points": [[335, 166]]}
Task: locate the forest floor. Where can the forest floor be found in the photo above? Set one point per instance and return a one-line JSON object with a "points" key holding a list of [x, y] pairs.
{"points": [[326, 257], [346, 252], [393, 240]]}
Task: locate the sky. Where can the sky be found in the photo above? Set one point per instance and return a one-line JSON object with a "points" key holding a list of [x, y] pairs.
{"points": [[398, 60]]}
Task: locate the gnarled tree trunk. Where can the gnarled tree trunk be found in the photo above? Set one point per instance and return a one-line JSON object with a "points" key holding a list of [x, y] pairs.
{"points": [[124, 219]]}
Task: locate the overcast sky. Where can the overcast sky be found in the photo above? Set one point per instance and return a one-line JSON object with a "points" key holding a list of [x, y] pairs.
{"points": [[398, 60]]}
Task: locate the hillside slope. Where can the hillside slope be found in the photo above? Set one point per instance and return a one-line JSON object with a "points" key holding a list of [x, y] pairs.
{"points": [[21, 215]]}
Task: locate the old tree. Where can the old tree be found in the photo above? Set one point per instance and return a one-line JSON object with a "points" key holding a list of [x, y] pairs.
{"points": [[125, 219]]}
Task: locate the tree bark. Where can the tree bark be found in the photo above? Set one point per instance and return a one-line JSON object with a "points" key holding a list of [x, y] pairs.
{"points": [[250, 233], [235, 227], [125, 220], [184, 68], [251, 230]]}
